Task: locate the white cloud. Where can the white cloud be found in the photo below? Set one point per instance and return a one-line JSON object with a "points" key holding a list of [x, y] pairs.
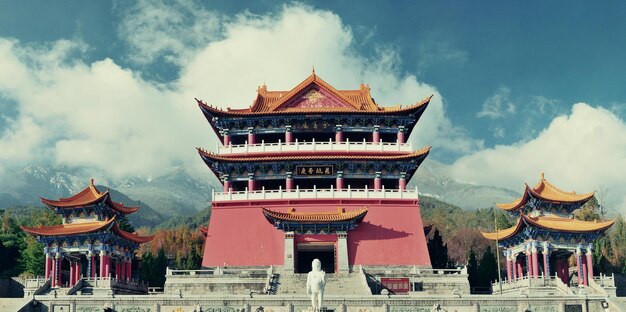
{"points": [[498, 105], [100, 115], [169, 29], [582, 151]]}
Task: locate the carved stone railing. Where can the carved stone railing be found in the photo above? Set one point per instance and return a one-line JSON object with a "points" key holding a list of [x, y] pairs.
{"points": [[315, 194], [314, 146]]}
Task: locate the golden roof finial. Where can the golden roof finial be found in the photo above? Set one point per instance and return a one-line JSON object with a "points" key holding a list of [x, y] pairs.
{"points": [[542, 176]]}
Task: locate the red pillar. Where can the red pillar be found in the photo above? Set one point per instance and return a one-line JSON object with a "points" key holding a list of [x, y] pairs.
{"points": [[376, 135], [508, 268], [514, 266], [129, 270], [92, 259], [251, 184], [226, 140], [48, 264], [585, 277], [288, 135], [566, 270], [251, 136], [579, 264], [589, 263], [226, 186], [108, 266], [377, 182], [289, 182], [102, 265], [53, 270], [338, 134], [400, 136], [339, 181], [402, 182], [72, 272], [535, 258]]}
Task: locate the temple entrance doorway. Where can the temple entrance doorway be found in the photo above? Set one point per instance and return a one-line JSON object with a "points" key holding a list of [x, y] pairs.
{"points": [[307, 252]]}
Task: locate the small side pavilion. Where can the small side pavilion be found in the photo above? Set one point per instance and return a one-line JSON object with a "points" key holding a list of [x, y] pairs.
{"points": [[90, 243], [546, 235]]}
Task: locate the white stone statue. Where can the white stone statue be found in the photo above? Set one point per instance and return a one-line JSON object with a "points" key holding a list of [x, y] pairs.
{"points": [[315, 283]]}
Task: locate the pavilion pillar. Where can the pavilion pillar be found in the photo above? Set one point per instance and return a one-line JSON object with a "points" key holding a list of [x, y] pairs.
{"points": [[79, 269], [251, 182], [343, 266], [508, 267], [520, 269], [251, 136], [514, 266], [102, 263], [339, 180], [377, 181], [90, 264], [288, 135], [48, 265], [289, 182], [226, 180], [338, 133], [129, 269], [590, 261], [402, 182], [376, 134], [55, 271], [226, 135], [72, 272], [579, 264], [535, 258], [546, 259], [529, 264], [400, 135], [565, 263], [289, 253]]}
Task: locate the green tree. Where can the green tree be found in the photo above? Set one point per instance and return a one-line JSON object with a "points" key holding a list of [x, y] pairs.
{"points": [[472, 268], [487, 269], [160, 267], [194, 260], [124, 224], [438, 252], [32, 257], [146, 268]]}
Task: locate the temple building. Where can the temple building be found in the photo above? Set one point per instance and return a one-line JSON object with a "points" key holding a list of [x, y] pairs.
{"points": [[546, 235], [89, 243], [293, 158]]}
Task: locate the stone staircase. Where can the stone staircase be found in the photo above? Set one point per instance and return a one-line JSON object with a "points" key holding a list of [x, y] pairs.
{"points": [[336, 284]]}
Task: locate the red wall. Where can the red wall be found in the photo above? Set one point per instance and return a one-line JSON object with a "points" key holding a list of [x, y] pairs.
{"points": [[391, 233]]}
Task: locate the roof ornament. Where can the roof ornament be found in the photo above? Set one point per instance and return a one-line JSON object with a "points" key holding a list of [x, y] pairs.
{"points": [[542, 176], [91, 182], [313, 74]]}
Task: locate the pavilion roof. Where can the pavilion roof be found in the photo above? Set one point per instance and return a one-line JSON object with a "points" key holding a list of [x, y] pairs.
{"points": [[545, 191], [551, 223], [421, 153], [278, 102], [87, 197], [131, 236], [70, 229], [316, 217]]}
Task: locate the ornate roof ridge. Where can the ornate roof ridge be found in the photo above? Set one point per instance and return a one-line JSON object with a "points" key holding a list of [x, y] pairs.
{"points": [[551, 223], [88, 196], [546, 191]]}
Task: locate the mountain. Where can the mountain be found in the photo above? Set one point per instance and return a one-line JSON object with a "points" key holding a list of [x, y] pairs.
{"points": [[172, 194], [432, 179]]}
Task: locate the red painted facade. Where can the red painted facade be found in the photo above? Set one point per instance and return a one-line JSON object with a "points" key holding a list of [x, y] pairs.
{"points": [[392, 233]]}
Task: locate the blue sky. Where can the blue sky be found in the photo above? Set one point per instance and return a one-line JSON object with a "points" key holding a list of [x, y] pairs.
{"points": [[506, 78]]}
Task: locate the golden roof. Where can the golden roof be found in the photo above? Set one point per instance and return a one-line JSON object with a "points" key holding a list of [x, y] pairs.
{"points": [[552, 223], [88, 196], [69, 229], [548, 192], [316, 217], [277, 102]]}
